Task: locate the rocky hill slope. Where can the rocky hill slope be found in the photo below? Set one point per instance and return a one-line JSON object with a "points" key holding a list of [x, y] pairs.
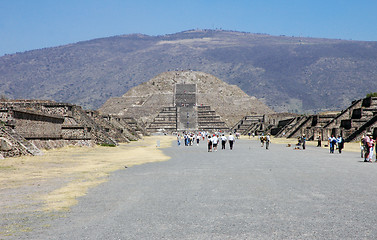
{"points": [[287, 73]]}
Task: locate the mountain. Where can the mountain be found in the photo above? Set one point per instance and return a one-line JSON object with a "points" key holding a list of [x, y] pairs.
{"points": [[287, 73]]}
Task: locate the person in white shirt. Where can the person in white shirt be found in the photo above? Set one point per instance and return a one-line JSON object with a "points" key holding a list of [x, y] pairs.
{"points": [[223, 141], [215, 141], [268, 140], [231, 141]]}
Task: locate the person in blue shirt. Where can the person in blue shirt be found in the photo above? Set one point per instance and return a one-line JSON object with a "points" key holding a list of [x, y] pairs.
{"points": [[332, 143], [303, 141]]}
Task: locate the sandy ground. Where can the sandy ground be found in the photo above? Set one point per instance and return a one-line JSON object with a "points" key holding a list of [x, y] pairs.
{"points": [[35, 186]]}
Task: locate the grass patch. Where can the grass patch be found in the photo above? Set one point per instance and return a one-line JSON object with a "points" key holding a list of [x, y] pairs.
{"points": [[107, 145], [7, 168]]}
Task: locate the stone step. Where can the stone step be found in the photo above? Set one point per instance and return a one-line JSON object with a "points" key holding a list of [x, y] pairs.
{"points": [[31, 148], [208, 117], [168, 119]]}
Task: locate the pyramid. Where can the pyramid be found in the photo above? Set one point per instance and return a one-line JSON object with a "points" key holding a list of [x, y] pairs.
{"points": [[185, 100]]}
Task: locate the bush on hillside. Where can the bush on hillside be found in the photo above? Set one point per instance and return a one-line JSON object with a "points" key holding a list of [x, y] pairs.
{"points": [[372, 94]]}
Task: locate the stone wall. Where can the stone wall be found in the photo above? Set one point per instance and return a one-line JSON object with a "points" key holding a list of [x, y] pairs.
{"points": [[71, 132], [51, 144], [48, 124], [57, 109], [33, 125]]}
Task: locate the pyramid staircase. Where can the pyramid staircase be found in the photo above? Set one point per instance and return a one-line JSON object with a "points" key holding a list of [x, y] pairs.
{"points": [[166, 120], [285, 126], [208, 120], [362, 120], [295, 131], [248, 124]]}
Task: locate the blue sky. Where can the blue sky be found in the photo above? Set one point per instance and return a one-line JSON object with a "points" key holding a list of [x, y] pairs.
{"points": [[34, 24]]}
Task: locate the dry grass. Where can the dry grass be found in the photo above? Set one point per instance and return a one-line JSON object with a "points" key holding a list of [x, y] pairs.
{"points": [[55, 180], [36, 189]]}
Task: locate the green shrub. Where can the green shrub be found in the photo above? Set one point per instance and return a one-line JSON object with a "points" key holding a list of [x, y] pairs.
{"points": [[107, 145], [372, 94]]}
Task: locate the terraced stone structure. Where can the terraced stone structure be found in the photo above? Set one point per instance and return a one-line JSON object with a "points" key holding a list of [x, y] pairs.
{"points": [[185, 100], [267, 123], [352, 123], [29, 125]]}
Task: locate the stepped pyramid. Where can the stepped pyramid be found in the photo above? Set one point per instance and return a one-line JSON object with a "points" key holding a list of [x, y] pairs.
{"points": [[185, 100]]}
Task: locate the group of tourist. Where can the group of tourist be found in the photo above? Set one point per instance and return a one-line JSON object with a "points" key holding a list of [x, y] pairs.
{"points": [[336, 143], [213, 140], [301, 142], [189, 139], [265, 140], [367, 143], [367, 146]]}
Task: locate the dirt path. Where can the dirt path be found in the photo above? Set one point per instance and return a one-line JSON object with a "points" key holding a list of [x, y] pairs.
{"points": [[43, 187]]}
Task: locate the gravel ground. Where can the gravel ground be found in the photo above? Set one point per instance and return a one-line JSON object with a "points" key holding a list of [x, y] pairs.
{"points": [[246, 193]]}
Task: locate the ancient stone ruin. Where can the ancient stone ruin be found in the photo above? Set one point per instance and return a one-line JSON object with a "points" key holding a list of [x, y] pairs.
{"points": [[171, 102], [185, 101], [352, 123], [29, 125]]}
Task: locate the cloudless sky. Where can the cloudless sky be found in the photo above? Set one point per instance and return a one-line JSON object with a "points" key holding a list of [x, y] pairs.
{"points": [[34, 24]]}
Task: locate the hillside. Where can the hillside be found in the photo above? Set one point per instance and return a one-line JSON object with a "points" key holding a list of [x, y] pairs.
{"points": [[286, 73]]}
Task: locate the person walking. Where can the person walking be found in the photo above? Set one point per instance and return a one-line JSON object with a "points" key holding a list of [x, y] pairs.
{"points": [[215, 141], [209, 142], [191, 139], [303, 141], [261, 138], [319, 141], [231, 141], [268, 140], [223, 141], [186, 139], [372, 146], [340, 142], [332, 143], [179, 140], [362, 146], [197, 139], [366, 144]]}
